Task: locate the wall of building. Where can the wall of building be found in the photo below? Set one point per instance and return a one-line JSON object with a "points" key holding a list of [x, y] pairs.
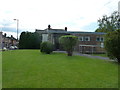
{"points": [[89, 43], [0, 40], [119, 7]]}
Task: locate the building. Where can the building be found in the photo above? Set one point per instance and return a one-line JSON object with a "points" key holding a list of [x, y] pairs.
{"points": [[119, 7], [88, 42], [0, 40], [8, 41]]}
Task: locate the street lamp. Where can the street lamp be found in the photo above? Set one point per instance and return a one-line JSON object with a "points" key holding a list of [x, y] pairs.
{"points": [[17, 26]]}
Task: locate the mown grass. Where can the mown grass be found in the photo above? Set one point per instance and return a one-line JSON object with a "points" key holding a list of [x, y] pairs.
{"points": [[102, 55], [31, 69], [0, 70]]}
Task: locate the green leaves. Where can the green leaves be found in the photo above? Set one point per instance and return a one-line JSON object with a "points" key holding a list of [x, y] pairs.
{"points": [[68, 42], [29, 40], [112, 44], [109, 23], [46, 47]]}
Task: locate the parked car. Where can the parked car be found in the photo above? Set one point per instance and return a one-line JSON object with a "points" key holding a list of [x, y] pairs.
{"points": [[4, 49], [15, 47], [12, 48]]}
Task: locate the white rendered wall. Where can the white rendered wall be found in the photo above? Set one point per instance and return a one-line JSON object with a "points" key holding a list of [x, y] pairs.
{"points": [[44, 37], [119, 7]]}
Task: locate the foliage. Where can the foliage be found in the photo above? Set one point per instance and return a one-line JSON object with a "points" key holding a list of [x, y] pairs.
{"points": [[46, 47], [112, 45], [68, 42], [109, 23], [29, 40]]}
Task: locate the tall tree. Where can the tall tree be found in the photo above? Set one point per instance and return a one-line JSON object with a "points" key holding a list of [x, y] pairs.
{"points": [[109, 23], [29, 40]]}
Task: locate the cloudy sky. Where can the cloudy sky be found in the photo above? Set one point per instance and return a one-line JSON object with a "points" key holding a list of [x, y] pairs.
{"points": [[77, 15]]}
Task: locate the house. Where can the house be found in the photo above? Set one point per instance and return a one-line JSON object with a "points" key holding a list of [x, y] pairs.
{"points": [[88, 42], [8, 41], [0, 40]]}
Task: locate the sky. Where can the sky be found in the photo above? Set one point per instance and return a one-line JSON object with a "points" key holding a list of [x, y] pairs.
{"points": [[76, 15]]}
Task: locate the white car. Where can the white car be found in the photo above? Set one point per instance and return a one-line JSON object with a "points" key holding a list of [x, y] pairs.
{"points": [[15, 47], [12, 47], [4, 49]]}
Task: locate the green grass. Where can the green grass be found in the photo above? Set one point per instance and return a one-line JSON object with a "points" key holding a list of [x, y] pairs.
{"points": [[102, 55], [0, 70], [31, 69]]}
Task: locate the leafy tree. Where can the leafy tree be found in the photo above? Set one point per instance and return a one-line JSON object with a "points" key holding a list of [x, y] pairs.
{"points": [[46, 47], [68, 42], [112, 45], [22, 41], [109, 23], [29, 40]]}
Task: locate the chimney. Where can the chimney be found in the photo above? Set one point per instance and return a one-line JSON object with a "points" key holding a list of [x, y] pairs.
{"points": [[5, 35], [65, 28], [49, 27]]}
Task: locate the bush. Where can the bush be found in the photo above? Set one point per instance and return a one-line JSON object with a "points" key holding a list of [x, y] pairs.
{"points": [[112, 45], [46, 47], [68, 42]]}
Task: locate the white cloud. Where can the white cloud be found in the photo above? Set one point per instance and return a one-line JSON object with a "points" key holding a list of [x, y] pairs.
{"points": [[74, 14]]}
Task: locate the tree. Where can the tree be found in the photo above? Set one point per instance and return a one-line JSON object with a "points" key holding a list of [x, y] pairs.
{"points": [[22, 41], [68, 42], [109, 23], [112, 45], [46, 47], [29, 40]]}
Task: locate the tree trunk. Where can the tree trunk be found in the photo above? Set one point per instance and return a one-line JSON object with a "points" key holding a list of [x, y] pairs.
{"points": [[69, 53]]}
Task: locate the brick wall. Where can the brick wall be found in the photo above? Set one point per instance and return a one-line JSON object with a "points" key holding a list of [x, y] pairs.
{"points": [[93, 45]]}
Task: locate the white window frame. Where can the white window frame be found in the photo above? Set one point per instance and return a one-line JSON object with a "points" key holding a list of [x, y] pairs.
{"points": [[88, 38], [97, 39], [100, 39], [80, 38]]}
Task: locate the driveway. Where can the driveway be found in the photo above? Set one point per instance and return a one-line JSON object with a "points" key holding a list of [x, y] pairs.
{"points": [[86, 55]]}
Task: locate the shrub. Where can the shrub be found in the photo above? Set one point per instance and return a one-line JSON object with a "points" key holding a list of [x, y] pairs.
{"points": [[112, 45], [46, 47], [68, 42]]}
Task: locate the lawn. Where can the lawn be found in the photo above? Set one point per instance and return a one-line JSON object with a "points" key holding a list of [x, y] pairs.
{"points": [[31, 69], [102, 55]]}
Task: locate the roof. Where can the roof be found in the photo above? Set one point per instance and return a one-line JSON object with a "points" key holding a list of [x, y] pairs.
{"points": [[9, 37], [51, 31], [87, 32], [69, 32]]}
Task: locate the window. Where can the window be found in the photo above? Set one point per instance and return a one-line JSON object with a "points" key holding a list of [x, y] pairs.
{"points": [[99, 39], [87, 38], [80, 38], [102, 39], [102, 45]]}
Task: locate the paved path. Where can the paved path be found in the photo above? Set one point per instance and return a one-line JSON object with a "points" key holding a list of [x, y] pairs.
{"points": [[87, 55]]}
